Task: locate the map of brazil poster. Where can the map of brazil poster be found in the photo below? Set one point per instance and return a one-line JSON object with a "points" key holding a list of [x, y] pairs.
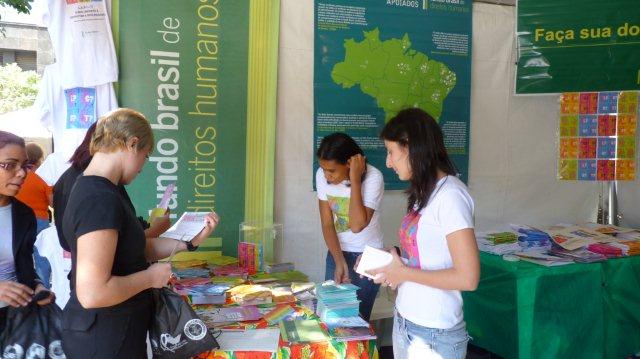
{"points": [[374, 58]]}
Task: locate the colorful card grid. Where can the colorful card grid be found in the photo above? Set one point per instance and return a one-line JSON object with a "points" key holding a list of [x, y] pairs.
{"points": [[587, 170], [608, 102], [627, 125], [606, 170], [588, 147], [588, 125], [606, 147], [569, 147], [569, 126], [568, 169], [597, 136], [606, 125], [625, 170], [626, 147]]}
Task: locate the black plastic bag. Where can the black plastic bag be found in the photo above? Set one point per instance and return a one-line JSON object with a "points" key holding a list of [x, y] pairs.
{"points": [[33, 332], [176, 330]]}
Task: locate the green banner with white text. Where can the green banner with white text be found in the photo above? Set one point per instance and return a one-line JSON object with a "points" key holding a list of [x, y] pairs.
{"points": [[184, 65], [578, 46]]}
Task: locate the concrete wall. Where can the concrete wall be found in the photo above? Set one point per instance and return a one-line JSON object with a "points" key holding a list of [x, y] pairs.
{"points": [[25, 37]]}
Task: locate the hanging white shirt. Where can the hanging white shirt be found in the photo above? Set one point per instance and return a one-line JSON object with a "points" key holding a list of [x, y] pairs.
{"points": [[60, 260], [69, 113], [81, 36]]}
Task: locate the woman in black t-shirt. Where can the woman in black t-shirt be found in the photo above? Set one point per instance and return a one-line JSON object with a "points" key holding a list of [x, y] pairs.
{"points": [[110, 308]]}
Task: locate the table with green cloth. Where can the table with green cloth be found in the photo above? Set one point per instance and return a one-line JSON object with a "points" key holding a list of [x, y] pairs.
{"points": [[525, 310]]}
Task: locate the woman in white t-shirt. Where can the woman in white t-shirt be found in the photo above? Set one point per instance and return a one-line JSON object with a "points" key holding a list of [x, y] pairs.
{"points": [[349, 194], [438, 246]]}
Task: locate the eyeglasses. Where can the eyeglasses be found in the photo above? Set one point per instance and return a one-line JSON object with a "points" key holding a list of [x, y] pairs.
{"points": [[14, 166]]}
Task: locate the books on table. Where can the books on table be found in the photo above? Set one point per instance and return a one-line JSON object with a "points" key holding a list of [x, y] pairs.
{"points": [[204, 293], [231, 314], [337, 300], [302, 331], [255, 340], [347, 334]]}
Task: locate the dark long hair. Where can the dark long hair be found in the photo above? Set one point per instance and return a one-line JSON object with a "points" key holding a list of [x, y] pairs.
{"points": [[417, 131], [81, 157], [338, 147]]}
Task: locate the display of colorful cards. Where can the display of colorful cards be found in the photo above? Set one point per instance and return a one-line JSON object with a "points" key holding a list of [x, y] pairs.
{"points": [[250, 257], [598, 136]]}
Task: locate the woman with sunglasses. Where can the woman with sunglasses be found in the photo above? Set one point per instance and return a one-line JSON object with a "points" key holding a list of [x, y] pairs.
{"points": [[18, 282]]}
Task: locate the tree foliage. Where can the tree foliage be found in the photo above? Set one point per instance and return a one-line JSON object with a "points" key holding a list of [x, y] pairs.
{"points": [[18, 89], [23, 6]]}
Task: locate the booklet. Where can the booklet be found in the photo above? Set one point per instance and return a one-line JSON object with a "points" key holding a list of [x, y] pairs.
{"points": [[256, 340], [187, 227], [164, 203], [346, 334], [372, 258], [302, 331]]}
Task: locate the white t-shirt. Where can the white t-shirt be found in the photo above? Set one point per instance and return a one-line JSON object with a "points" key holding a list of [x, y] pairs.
{"points": [[338, 197], [81, 36], [424, 245], [69, 113], [7, 263], [53, 167], [60, 260]]}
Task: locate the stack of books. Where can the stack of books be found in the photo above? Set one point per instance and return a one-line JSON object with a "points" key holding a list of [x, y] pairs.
{"points": [[502, 237], [204, 293], [581, 255], [278, 267], [347, 334], [337, 300]]}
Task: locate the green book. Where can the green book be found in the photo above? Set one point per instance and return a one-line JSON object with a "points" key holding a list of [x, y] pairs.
{"points": [[302, 331]]}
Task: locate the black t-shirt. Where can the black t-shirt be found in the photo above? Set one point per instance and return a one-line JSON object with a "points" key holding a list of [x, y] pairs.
{"points": [[94, 204], [62, 191]]}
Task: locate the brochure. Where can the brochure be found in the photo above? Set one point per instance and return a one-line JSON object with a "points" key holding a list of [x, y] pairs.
{"points": [[187, 227]]}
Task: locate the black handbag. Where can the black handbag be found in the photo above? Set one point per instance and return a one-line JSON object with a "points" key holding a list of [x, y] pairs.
{"points": [[33, 332], [176, 330]]}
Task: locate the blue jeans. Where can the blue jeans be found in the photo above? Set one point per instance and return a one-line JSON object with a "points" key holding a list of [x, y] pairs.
{"points": [[413, 341], [368, 290], [43, 268]]}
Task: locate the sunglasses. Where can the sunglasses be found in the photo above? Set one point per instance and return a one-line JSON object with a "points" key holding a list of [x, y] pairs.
{"points": [[14, 166]]}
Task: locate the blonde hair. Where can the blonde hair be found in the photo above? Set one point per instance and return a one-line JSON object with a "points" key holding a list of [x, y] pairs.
{"points": [[117, 127]]}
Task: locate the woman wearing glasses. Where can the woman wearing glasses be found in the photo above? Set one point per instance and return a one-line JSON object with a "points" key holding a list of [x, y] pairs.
{"points": [[18, 281]]}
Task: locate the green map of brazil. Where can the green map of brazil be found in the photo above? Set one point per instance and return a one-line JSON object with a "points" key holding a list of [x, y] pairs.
{"points": [[395, 75]]}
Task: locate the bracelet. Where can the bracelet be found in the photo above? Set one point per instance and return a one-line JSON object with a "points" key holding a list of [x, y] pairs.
{"points": [[191, 247]]}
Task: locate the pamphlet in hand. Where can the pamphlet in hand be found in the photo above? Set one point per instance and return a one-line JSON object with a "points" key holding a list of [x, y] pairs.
{"points": [[187, 227], [373, 258], [164, 203]]}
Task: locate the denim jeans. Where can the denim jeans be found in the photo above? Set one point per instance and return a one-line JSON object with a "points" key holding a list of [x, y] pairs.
{"points": [[43, 268], [368, 290], [413, 341]]}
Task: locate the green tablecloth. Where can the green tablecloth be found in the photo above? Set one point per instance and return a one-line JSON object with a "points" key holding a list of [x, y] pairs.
{"points": [[523, 310]]}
